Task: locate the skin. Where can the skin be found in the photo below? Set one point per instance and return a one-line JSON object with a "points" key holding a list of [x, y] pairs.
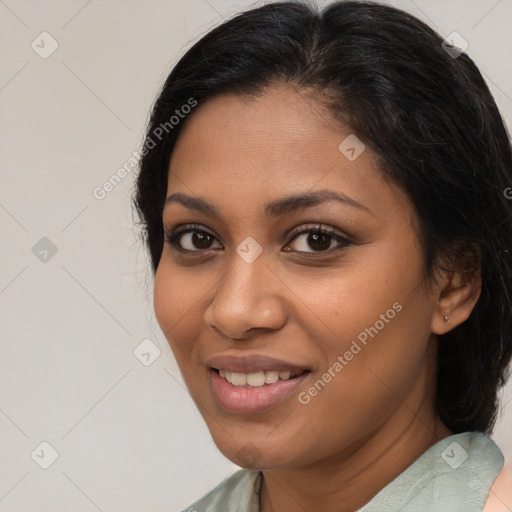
{"points": [[377, 415]]}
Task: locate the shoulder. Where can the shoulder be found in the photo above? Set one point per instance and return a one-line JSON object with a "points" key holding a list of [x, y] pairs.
{"points": [[500, 494], [237, 493], [455, 474], [471, 463]]}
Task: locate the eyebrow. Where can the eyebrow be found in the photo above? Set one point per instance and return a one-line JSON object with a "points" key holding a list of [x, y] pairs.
{"points": [[276, 208]]}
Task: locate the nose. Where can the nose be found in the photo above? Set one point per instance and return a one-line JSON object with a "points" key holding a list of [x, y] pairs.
{"points": [[247, 299]]}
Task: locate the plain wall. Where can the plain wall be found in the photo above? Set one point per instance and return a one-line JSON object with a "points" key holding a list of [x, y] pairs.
{"points": [[128, 436]]}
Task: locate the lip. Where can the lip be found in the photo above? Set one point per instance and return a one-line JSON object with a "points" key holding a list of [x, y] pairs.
{"points": [[254, 363], [247, 399]]}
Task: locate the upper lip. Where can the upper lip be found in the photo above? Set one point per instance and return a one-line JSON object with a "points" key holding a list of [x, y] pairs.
{"points": [[254, 363]]}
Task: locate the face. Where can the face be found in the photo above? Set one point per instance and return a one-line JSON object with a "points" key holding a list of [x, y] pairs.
{"points": [[325, 293]]}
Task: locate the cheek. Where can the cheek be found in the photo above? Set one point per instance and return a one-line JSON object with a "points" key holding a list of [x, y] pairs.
{"points": [[174, 298], [376, 317], [341, 306], [370, 370], [164, 299]]}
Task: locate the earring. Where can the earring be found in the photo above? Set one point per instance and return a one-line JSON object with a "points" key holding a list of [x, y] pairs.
{"points": [[447, 320]]}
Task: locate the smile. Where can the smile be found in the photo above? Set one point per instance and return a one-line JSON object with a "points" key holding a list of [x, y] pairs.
{"points": [[256, 379], [242, 397]]}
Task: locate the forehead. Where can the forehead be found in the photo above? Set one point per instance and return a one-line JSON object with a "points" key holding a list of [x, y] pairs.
{"points": [[279, 120], [246, 151]]}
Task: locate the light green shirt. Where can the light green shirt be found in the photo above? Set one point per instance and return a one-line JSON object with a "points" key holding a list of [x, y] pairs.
{"points": [[454, 475]]}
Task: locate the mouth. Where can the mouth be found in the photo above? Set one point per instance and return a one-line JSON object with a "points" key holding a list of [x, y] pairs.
{"points": [[252, 384], [257, 379]]}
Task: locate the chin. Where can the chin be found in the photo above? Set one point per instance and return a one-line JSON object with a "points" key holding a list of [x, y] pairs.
{"points": [[250, 453]]}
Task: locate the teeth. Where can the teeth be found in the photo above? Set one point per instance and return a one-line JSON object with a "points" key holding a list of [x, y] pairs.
{"points": [[256, 379], [239, 379], [271, 377]]}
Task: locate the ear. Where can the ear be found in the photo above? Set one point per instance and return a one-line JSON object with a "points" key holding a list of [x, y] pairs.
{"points": [[460, 286]]}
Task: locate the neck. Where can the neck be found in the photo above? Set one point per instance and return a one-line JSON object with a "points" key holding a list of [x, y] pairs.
{"points": [[350, 479]]}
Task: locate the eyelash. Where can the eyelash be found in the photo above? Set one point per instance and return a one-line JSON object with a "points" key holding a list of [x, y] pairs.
{"points": [[173, 238]]}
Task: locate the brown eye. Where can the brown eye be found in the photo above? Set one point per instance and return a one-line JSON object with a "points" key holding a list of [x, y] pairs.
{"points": [[197, 240], [319, 240], [191, 240]]}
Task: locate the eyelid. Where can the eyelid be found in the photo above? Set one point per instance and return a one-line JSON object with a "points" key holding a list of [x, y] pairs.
{"points": [[342, 240], [172, 235], [185, 228], [317, 227]]}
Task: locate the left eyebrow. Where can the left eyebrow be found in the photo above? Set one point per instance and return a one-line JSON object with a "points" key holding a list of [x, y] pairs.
{"points": [[295, 202], [276, 208]]}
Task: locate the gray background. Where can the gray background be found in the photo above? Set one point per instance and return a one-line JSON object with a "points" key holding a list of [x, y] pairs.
{"points": [[128, 436]]}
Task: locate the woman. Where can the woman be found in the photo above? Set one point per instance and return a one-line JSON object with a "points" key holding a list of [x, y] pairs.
{"points": [[323, 198]]}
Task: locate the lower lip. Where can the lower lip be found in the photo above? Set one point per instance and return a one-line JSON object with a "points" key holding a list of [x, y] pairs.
{"points": [[247, 399]]}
